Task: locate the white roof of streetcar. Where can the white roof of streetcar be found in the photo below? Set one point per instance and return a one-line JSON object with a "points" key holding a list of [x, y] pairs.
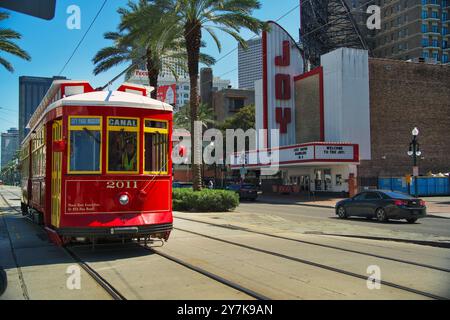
{"points": [[95, 99]]}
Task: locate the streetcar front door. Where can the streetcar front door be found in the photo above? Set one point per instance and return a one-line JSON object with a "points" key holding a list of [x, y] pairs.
{"points": [[56, 174]]}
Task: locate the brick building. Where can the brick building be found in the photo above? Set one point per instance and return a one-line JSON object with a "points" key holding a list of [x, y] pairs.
{"points": [[404, 95], [229, 101]]}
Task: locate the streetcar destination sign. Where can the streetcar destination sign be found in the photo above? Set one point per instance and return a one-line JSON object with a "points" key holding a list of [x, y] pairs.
{"points": [[118, 122]]}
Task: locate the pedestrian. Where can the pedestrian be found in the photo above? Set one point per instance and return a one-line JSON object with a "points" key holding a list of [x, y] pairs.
{"points": [[211, 184]]}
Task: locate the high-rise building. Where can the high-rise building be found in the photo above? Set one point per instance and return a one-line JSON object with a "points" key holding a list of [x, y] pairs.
{"points": [[250, 64], [31, 92], [410, 29], [413, 29], [10, 144]]}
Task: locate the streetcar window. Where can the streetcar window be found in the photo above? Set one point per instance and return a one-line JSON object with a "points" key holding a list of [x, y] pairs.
{"points": [[123, 145], [84, 145], [156, 147]]}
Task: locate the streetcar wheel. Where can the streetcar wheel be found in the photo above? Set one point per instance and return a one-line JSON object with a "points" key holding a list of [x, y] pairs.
{"points": [[381, 215], [342, 214], [411, 220]]}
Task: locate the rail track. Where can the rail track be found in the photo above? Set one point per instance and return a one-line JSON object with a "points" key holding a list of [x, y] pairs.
{"points": [[232, 227], [116, 295], [315, 264]]}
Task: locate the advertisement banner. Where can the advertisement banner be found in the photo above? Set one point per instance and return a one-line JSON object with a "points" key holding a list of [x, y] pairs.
{"points": [[168, 94]]}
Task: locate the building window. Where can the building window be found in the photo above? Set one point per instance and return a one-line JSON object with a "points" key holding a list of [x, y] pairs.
{"points": [[435, 43], [424, 14], [425, 55], [434, 14], [444, 44], [444, 30], [123, 145], [424, 42], [436, 56], [424, 28], [444, 58], [435, 28]]}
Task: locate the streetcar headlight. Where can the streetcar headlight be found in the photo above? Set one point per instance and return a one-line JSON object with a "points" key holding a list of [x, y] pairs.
{"points": [[124, 199]]}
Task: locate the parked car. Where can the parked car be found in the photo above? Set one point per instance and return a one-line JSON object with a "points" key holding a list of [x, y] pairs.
{"points": [[382, 205], [246, 191], [182, 185]]}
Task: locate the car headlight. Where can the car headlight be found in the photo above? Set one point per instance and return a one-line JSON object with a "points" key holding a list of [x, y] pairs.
{"points": [[124, 199]]}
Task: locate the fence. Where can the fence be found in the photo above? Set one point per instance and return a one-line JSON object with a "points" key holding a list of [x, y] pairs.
{"points": [[426, 186]]}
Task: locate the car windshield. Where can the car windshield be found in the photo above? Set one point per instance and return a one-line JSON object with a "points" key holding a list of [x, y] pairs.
{"points": [[397, 195]]}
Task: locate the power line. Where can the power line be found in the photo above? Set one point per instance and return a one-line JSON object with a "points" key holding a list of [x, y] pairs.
{"points": [[221, 58], [84, 36]]}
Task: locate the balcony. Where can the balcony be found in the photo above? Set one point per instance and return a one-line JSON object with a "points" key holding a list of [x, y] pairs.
{"points": [[431, 4]]}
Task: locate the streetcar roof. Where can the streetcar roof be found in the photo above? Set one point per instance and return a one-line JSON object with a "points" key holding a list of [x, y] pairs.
{"points": [[105, 99], [112, 99]]}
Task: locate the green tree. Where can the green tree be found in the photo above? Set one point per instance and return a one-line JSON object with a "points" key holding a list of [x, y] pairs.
{"points": [[196, 16], [182, 119], [8, 46], [143, 37], [244, 119]]}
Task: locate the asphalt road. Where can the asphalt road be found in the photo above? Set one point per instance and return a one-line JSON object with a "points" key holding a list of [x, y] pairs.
{"points": [[301, 215]]}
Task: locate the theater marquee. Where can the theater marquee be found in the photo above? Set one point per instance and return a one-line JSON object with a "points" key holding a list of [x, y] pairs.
{"points": [[298, 154]]}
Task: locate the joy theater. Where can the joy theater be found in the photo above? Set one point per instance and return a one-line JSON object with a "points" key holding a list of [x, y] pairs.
{"points": [[323, 117]]}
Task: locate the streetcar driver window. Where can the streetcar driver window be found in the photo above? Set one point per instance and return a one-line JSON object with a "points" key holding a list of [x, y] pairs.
{"points": [[123, 145], [156, 147], [84, 145]]}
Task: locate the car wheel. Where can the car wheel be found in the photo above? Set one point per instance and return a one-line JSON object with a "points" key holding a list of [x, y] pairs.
{"points": [[381, 215], [411, 220], [342, 213]]}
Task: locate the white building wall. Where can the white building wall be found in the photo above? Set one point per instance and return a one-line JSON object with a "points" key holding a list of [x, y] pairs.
{"points": [[346, 98]]}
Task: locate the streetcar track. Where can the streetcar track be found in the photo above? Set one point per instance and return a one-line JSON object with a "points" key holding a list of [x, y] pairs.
{"points": [[232, 227], [210, 275], [116, 295], [113, 292], [318, 265]]}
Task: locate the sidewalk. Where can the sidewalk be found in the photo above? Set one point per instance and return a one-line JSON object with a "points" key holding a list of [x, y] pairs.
{"points": [[436, 206]]}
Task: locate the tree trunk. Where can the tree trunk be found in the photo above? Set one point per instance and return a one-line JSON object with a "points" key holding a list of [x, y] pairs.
{"points": [[193, 36], [153, 73]]}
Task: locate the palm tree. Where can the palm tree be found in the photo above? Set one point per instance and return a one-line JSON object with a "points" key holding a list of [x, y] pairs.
{"points": [[196, 16], [144, 37], [182, 119], [6, 45]]}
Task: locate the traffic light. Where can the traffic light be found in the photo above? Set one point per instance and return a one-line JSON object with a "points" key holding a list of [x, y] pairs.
{"points": [[44, 9]]}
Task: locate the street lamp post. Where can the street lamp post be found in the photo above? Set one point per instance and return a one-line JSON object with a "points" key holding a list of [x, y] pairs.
{"points": [[414, 152]]}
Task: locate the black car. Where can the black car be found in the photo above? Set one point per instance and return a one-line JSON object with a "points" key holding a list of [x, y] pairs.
{"points": [[182, 185], [382, 205], [246, 191]]}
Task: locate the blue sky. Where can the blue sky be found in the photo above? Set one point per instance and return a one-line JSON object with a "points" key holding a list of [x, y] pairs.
{"points": [[50, 44]]}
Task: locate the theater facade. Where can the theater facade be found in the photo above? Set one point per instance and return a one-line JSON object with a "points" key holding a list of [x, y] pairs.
{"points": [[330, 120]]}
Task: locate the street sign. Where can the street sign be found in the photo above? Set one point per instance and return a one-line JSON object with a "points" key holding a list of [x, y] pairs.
{"points": [[415, 171]]}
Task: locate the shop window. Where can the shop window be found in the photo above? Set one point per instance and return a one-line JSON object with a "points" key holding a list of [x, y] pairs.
{"points": [[85, 145], [156, 153], [123, 145]]}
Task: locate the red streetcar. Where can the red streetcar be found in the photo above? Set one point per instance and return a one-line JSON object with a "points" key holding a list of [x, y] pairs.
{"points": [[96, 164]]}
